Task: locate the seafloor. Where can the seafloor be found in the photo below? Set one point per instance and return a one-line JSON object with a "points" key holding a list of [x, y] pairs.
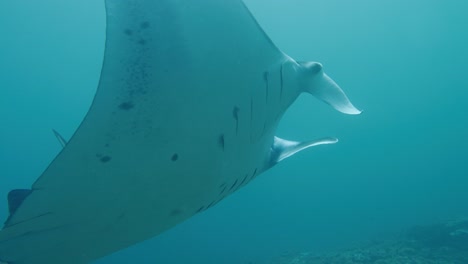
{"points": [[444, 243]]}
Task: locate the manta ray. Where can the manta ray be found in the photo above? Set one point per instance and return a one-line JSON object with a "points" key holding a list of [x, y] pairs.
{"points": [[189, 98]]}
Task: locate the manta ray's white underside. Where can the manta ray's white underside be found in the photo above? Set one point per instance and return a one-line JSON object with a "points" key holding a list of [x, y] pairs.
{"points": [[190, 95]]}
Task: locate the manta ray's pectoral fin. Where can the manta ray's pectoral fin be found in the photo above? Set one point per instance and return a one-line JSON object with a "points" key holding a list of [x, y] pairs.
{"points": [[282, 148], [318, 84], [59, 137]]}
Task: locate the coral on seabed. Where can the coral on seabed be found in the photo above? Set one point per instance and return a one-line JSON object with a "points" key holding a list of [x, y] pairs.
{"points": [[445, 243]]}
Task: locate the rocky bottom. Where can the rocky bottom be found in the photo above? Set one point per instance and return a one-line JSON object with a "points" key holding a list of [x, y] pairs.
{"points": [[445, 243]]}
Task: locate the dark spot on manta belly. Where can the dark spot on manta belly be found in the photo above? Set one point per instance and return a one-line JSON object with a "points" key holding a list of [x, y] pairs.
{"points": [[235, 113], [128, 32], [126, 105], [267, 88], [175, 157], [144, 25], [221, 141], [105, 159], [175, 212]]}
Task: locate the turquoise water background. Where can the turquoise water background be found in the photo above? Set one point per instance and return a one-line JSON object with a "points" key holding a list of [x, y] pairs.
{"points": [[402, 162]]}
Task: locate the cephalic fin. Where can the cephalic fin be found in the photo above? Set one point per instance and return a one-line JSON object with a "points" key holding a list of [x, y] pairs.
{"points": [[283, 148], [325, 89]]}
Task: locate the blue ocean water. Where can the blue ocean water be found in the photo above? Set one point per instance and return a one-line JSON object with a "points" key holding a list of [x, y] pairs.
{"points": [[402, 162]]}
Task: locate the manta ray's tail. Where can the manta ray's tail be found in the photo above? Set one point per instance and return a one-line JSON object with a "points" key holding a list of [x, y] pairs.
{"points": [[324, 88]]}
